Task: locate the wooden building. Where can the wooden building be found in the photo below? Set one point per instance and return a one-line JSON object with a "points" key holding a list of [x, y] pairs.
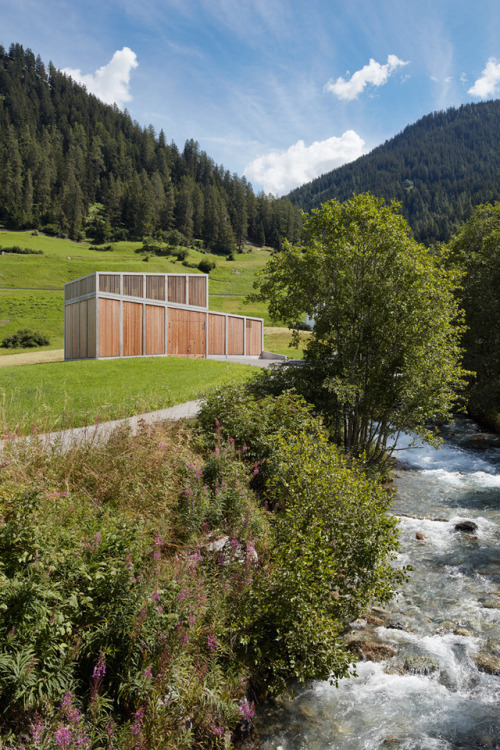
{"points": [[152, 314]]}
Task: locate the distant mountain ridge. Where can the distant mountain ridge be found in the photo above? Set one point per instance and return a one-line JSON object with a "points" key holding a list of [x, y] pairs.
{"points": [[439, 168]]}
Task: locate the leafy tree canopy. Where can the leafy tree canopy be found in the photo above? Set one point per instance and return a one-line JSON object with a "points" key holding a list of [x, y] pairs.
{"points": [[385, 352], [476, 250]]}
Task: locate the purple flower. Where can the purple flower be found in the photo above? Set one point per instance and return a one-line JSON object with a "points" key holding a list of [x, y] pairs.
{"points": [[217, 730], [62, 736], [212, 642], [234, 544], [246, 710], [97, 539], [136, 727], [148, 673], [37, 731], [100, 668], [155, 596]]}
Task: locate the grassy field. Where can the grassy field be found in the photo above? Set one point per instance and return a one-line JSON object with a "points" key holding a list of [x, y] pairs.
{"points": [[58, 395], [31, 286]]}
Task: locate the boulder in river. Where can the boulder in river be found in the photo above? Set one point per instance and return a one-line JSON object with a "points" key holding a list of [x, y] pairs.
{"points": [[466, 527], [487, 662], [420, 536]]}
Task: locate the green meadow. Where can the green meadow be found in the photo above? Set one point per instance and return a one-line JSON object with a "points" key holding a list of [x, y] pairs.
{"points": [[59, 395], [31, 286]]}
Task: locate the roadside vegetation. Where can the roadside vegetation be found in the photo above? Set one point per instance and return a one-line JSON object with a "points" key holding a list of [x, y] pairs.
{"points": [[154, 587]]}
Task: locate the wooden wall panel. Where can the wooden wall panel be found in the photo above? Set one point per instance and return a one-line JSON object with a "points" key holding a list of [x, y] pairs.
{"points": [[177, 289], [75, 332], [186, 333], [84, 329], [91, 316], [197, 291], [155, 287], [109, 328], [155, 329], [132, 329], [235, 335], [109, 282], [67, 332], [254, 337], [132, 285], [216, 334]]}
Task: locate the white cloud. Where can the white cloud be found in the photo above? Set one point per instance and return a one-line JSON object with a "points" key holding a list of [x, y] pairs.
{"points": [[489, 81], [373, 73], [111, 82], [281, 171]]}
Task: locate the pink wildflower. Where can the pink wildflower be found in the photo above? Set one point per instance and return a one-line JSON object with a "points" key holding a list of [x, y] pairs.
{"points": [[100, 668]]}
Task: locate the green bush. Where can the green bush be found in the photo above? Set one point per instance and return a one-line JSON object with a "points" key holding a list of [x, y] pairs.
{"points": [[252, 422], [205, 265], [20, 250], [331, 557], [24, 338]]}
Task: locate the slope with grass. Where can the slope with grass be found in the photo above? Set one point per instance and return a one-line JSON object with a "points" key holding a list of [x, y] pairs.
{"points": [[31, 286], [59, 395]]}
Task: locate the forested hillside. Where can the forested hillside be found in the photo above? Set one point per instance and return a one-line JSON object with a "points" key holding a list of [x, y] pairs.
{"points": [[70, 165], [439, 168]]}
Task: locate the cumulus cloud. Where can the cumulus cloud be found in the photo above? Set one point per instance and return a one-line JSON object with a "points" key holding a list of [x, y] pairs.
{"points": [[488, 84], [374, 73], [111, 82], [281, 171]]}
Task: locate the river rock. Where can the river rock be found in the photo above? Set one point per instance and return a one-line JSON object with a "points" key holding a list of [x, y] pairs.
{"points": [[418, 664], [371, 650], [467, 527], [372, 620], [486, 662], [420, 536]]}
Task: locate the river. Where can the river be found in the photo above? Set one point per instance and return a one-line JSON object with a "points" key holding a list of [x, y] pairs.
{"points": [[435, 687]]}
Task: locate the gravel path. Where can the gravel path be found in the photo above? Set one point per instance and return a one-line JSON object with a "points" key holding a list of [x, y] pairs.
{"points": [[99, 433]]}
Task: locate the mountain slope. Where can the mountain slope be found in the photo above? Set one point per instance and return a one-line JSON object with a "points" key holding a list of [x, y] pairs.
{"points": [[76, 166], [439, 168]]}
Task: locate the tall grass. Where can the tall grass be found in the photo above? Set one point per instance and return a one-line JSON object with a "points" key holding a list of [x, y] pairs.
{"points": [[116, 628]]}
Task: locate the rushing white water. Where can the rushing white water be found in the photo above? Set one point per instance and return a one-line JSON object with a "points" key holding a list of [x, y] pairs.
{"points": [[439, 689]]}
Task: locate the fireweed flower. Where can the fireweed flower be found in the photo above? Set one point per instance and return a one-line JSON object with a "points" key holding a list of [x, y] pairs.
{"points": [[37, 731], [212, 642], [148, 673], [63, 736], [100, 668], [136, 727]]}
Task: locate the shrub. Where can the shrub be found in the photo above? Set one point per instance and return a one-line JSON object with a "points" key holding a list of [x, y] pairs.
{"points": [[24, 338], [332, 552], [51, 229], [102, 248], [20, 250], [205, 265], [253, 422], [181, 254]]}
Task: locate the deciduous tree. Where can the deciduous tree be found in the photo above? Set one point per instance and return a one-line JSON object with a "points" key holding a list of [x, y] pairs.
{"points": [[385, 351]]}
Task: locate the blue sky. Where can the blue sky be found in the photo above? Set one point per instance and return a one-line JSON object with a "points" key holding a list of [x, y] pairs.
{"points": [[279, 90]]}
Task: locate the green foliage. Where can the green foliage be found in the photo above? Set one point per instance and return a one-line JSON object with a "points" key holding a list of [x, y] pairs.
{"points": [[251, 423], [24, 338], [333, 543], [16, 250], [113, 628], [205, 265], [476, 250], [385, 348], [438, 168]]}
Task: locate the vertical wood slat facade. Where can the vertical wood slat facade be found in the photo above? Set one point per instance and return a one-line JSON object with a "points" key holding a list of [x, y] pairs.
{"points": [[129, 315]]}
